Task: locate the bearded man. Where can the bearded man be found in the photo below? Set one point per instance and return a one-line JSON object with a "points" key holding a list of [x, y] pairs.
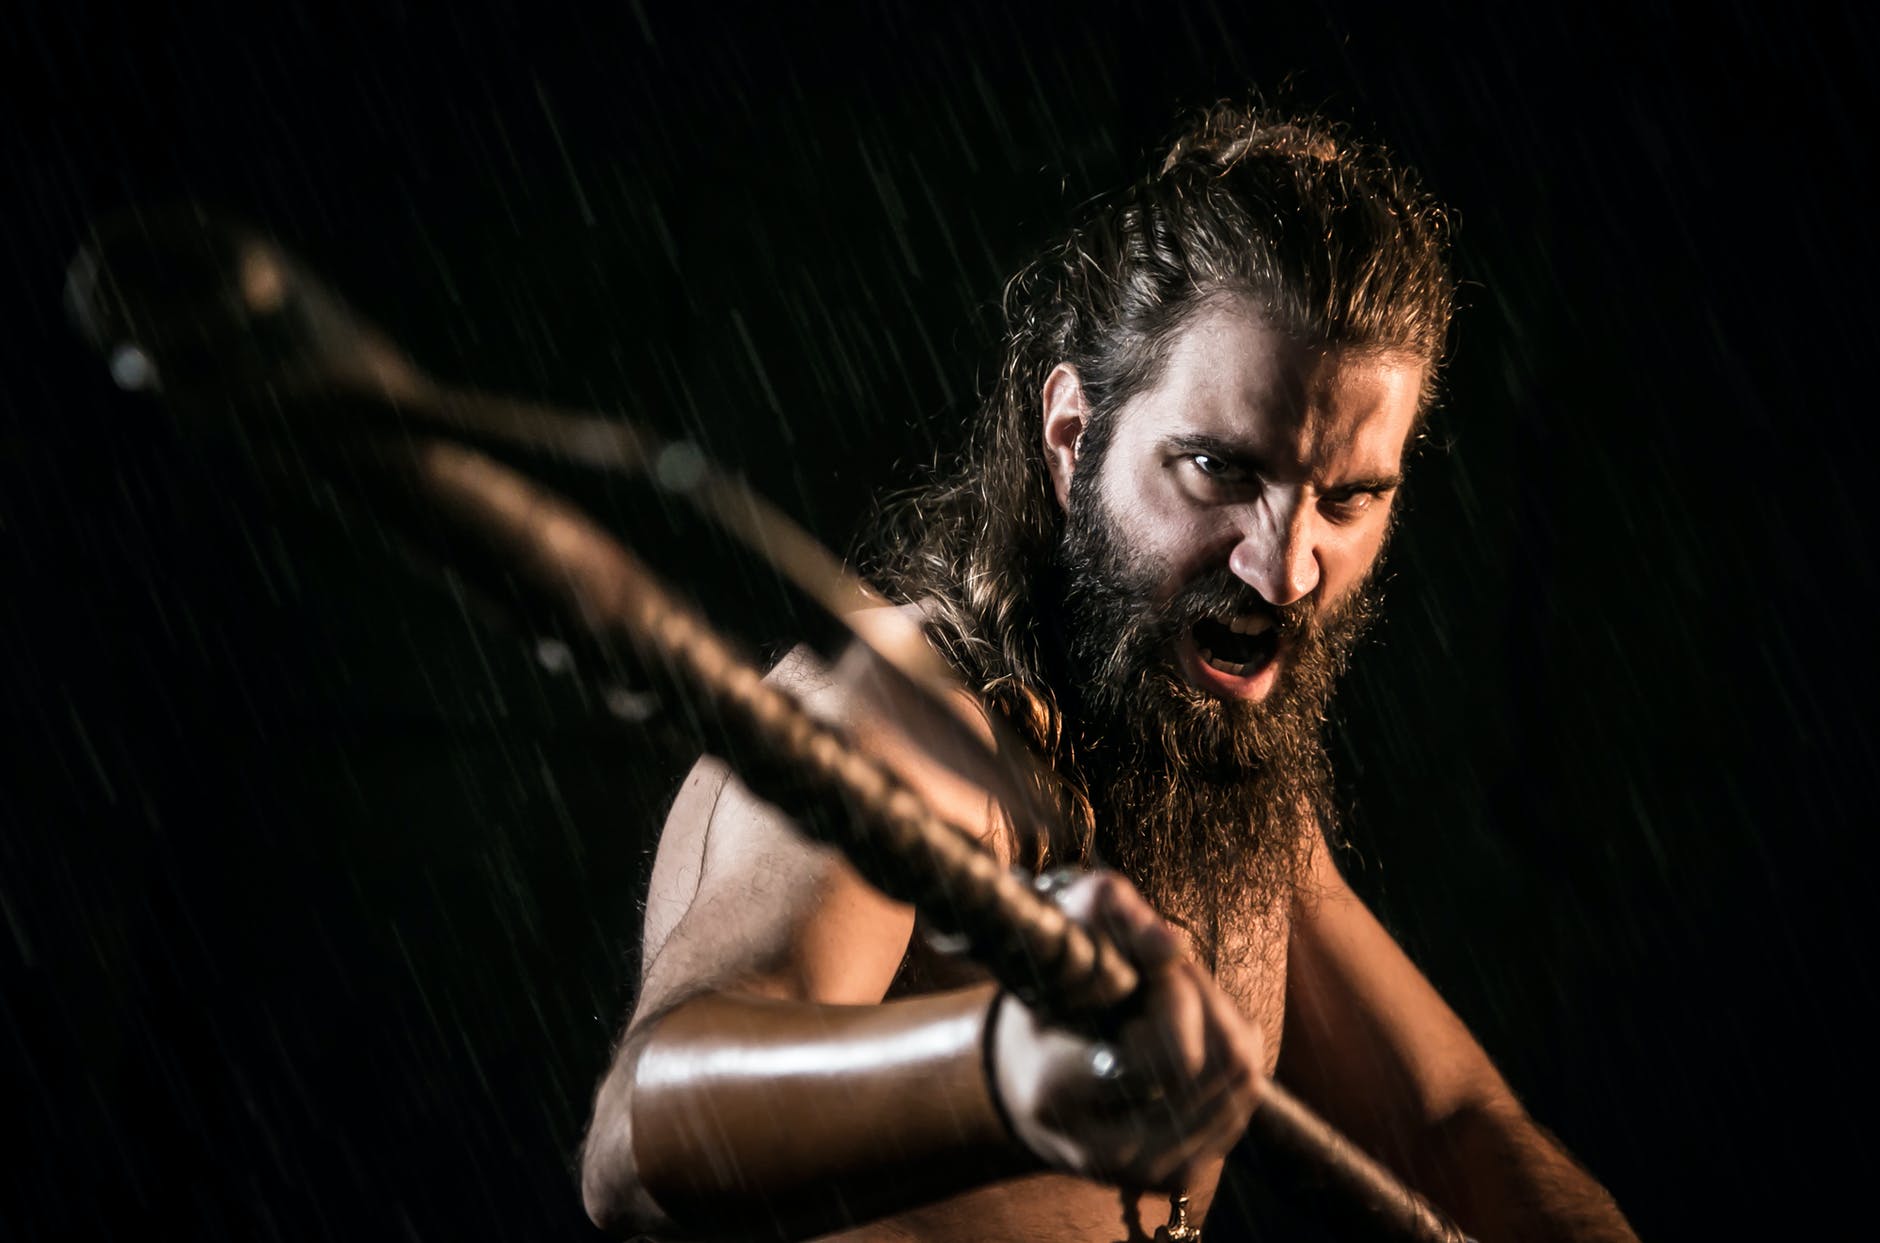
{"points": [[1153, 561]]}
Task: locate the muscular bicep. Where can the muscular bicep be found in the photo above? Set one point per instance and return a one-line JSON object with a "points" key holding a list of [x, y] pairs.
{"points": [[678, 865], [741, 900], [1368, 1040]]}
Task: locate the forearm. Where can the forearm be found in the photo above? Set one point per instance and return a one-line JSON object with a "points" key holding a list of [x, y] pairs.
{"points": [[1506, 1180], [740, 1116]]}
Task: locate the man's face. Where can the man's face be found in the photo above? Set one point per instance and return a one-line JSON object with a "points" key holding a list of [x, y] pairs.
{"points": [[1217, 551], [1242, 501], [1263, 467]]}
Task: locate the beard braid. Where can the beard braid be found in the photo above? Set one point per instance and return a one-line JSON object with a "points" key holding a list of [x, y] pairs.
{"points": [[1204, 803]]}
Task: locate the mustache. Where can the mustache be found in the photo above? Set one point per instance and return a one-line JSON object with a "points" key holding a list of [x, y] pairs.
{"points": [[1221, 594], [1137, 641]]}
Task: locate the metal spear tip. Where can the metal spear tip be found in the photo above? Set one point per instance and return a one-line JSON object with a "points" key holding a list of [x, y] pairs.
{"points": [[161, 294]]}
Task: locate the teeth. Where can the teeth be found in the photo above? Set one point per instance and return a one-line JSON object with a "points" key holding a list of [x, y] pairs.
{"points": [[1252, 623], [1228, 667]]}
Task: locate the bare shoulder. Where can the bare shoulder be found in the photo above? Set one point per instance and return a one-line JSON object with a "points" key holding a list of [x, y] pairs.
{"points": [[740, 898], [1365, 1029], [890, 627], [930, 760]]}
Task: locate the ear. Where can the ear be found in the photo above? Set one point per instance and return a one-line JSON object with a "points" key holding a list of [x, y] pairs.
{"points": [[1065, 417]]}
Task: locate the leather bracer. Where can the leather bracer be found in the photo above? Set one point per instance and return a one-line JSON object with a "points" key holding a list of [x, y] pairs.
{"points": [[750, 1114]]}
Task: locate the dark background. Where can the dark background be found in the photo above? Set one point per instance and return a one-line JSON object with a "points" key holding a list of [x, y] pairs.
{"points": [[320, 899]]}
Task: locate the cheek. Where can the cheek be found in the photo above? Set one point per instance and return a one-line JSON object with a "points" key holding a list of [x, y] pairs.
{"points": [[1174, 540], [1190, 561], [1345, 561], [1165, 516]]}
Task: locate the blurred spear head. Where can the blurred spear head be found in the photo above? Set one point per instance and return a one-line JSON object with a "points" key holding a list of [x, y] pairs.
{"points": [[236, 335], [187, 304]]}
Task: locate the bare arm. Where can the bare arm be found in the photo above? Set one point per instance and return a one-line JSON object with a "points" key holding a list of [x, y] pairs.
{"points": [[763, 1088], [1371, 1044], [758, 1084], [765, 958]]}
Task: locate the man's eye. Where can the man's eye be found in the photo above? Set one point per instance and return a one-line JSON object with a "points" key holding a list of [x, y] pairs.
{"points": [[1347, 507], [1214, 468]]}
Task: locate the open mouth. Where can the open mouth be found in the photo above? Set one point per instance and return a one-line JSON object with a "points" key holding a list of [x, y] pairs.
{"points": [[1239, 647]]}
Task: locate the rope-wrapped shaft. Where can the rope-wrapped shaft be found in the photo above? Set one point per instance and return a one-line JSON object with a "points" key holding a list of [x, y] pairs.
{"points": [[786, 756], [191, 288], [890, 835]]}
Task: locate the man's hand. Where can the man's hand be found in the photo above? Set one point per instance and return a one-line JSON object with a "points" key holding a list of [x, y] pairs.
{"points": [[1168, 1093]]}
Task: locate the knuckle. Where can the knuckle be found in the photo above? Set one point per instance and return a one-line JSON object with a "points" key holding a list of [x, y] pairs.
{"points": [[1117, 895]]}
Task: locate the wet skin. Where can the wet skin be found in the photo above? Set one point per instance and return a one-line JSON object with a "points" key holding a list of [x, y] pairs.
{"points": [[1276, 461], [1280, 462]]}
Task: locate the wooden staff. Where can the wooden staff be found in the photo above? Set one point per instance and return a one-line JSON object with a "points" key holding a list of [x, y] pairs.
{"points": [[288, 337]]}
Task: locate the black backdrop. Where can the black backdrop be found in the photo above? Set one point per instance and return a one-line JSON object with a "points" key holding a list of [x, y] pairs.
{"points": [[320, 899]]}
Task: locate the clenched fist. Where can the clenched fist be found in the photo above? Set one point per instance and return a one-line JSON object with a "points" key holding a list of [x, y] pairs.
{"points": [[1169, 1091]]}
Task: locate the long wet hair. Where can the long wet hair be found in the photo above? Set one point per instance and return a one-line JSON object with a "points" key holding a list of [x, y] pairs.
{"points": [[1323, 236]]}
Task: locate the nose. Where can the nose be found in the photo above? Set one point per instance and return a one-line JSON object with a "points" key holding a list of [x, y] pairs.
{"points": [[1278, 553]]}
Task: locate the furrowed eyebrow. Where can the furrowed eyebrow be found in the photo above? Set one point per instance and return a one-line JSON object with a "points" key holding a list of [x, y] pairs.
{"points": [[1246, 458], [1377, 483]]}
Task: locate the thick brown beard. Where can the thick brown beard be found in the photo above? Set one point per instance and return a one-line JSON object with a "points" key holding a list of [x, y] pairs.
{"points": [[1204, 803]]}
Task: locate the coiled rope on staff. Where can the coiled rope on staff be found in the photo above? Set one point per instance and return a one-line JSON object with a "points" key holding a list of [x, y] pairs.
{"points": [[283, 335]]}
